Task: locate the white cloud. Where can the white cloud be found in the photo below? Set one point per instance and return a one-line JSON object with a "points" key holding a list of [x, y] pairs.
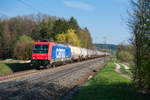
{"points": [[77, 4]]}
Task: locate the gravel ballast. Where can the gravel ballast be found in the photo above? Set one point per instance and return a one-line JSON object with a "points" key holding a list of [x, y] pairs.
{"points": [[50, 84]]}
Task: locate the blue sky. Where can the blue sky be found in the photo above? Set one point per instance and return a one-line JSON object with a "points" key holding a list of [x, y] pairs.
{"points": [[104, 18]]}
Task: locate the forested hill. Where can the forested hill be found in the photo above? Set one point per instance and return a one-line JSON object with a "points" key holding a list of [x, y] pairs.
{"points": [[107, 46], [18, 33]]}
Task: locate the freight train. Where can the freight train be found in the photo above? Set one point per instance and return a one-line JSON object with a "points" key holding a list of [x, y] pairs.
{"points": [[50, 54]]}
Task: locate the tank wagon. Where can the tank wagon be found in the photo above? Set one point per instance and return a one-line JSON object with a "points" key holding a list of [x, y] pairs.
{"points": [[47, 54]]}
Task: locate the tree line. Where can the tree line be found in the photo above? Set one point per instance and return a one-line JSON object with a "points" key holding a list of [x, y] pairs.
{"points": [[18, 33]]}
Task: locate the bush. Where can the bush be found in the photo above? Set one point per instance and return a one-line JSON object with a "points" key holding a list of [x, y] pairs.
{"points": [[125, 56], [23, 48]]}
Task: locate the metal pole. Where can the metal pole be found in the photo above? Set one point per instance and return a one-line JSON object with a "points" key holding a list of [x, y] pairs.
{"points": [[105, 48]]}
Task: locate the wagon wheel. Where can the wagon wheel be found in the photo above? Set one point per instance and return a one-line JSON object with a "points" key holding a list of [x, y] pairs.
{"points": [[53, 65], [48, 66]]}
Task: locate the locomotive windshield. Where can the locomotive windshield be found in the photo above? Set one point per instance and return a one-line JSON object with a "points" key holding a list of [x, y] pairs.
{"points": [[40, 48]]}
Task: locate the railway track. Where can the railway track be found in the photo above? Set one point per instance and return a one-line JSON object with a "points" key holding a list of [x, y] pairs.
{"points": [[10, 77], [21, 74], [48, 82]]}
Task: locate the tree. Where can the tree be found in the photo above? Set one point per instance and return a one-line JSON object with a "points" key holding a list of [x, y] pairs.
{"points": [[85, 38], [6, 41], [139, 24], [1, 36], [41, 26], [73, 24], [23, 48], [46, 28], [61, 38], [60, 26], [89, 39], [72, 38]]}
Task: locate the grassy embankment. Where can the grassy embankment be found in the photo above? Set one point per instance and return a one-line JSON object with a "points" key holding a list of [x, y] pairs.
{"points": [[109, 85], [13, 66]]}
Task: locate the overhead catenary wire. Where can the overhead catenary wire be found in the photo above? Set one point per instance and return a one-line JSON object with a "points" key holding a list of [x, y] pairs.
{"points": [[28, 5], [23, 2], [3, 14]]}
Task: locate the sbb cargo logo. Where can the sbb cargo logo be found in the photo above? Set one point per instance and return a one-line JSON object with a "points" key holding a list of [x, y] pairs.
{"points": [[60, 53]]}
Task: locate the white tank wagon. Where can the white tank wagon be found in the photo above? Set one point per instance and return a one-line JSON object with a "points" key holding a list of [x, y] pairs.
{"points": [[91, 53], [100, 54], [75, 52], [79, 53], [94, 53], [107, 54], [84, 53]]}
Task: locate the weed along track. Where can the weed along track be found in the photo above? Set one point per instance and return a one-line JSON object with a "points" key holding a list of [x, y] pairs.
{"points": [[48, 83]]}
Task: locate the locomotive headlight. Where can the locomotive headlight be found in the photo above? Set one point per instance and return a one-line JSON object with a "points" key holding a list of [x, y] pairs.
{"points": [[34, 58], [45, 57]]}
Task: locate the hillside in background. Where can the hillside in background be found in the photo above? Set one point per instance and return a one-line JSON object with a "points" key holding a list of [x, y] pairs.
{"points": [[106, 46]]}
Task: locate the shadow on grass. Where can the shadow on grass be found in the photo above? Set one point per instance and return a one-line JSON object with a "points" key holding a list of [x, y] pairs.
{"points": [[16, 67], [118, 91]]}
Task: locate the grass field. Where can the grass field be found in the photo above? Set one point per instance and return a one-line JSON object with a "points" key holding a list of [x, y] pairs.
{"points": [[4, 69], [109, 85], [11, 67]]}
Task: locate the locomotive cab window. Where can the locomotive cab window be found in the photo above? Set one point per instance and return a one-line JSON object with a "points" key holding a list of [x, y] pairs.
{"points": [[40, 48]]}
